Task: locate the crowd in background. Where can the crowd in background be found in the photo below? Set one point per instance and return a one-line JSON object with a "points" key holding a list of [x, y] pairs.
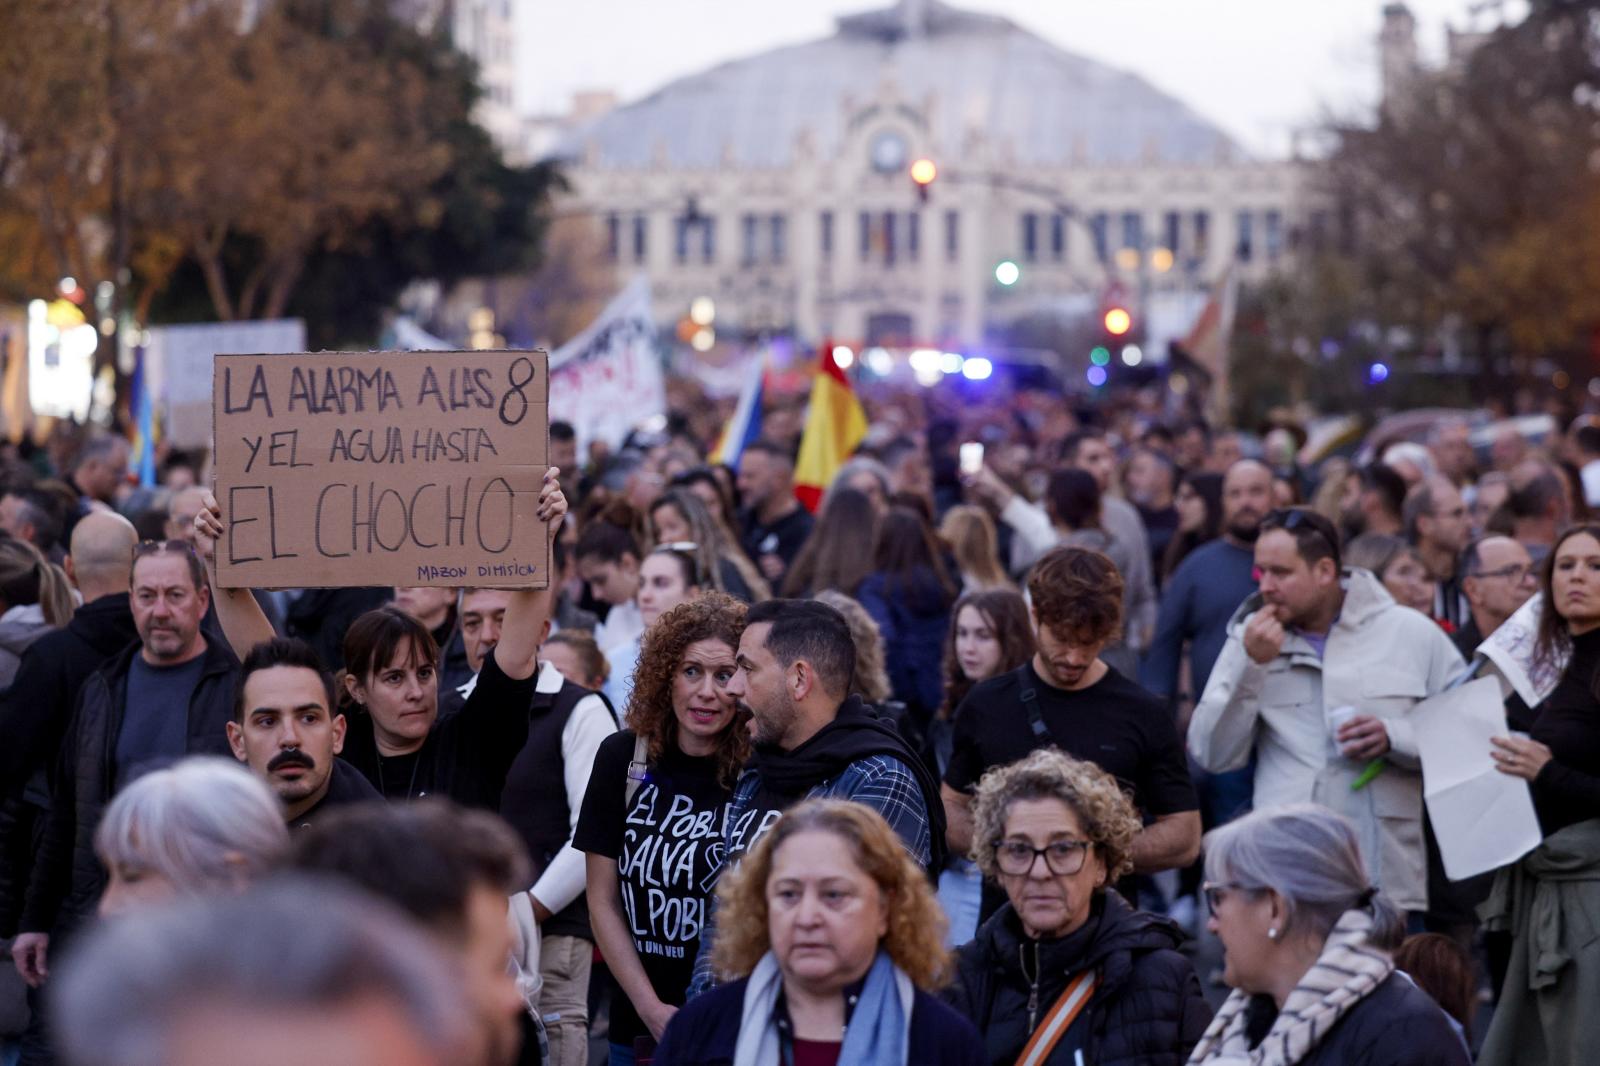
{"points": [[955, 769]]}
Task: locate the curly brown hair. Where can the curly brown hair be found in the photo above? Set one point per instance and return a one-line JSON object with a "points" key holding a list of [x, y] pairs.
{"points": [[1108, 816], [915, 940], [1078, 594], [715, 615]]}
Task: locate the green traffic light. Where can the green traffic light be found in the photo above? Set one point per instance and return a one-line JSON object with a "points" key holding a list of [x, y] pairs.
{"points": [[1100, 356]]}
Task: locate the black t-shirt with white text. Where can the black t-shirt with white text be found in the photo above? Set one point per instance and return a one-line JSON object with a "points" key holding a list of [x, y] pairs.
{"points": [[1115, 724], [668, 846]]}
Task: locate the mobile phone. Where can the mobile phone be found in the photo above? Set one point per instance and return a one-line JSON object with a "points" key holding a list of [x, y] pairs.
{"points": [[971, 458]]}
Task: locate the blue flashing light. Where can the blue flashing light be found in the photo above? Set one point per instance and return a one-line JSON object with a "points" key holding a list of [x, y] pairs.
{"points": [[1377, 373], [1096, 376]]}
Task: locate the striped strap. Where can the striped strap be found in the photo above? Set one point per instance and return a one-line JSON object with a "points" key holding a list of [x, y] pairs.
{"points": [[1062, 1014]]}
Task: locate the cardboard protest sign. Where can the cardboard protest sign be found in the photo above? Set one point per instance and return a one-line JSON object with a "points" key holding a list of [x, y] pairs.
{"points": [[381, 468]]}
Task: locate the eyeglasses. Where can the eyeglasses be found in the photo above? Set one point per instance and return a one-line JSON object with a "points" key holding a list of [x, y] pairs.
{"points": [[156, 547], [1214, 891], [1516, 572], [1061, 857]]}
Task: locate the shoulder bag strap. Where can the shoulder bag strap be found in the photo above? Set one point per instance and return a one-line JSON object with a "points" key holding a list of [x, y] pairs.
{"points": [[1062, 1014], [638, 770], [1030, 702]]}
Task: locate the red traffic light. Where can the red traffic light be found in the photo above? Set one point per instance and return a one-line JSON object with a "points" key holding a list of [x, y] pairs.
{"points": [[1118, 322]]}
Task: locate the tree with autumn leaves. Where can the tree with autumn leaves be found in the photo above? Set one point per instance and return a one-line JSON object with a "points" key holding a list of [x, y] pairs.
{"points": [[237, 148], [1463, 217]]}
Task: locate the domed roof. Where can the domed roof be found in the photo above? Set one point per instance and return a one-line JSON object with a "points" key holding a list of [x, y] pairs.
{"points": [[982, 73]]}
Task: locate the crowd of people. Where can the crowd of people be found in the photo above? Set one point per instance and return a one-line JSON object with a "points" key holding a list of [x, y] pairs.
{"points": [[958, 769]]}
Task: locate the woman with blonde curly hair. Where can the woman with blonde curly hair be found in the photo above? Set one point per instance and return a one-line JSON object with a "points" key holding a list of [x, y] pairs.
{"points": [[1066, 971], [651, 822], [830, 939]]}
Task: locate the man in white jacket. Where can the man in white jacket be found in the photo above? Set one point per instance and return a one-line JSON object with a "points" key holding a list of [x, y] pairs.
{"points": [[1318, 677]]}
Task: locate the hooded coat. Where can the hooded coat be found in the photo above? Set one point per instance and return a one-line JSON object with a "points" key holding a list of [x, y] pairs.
{"points": [[1380, 658], [1147, 1008]]}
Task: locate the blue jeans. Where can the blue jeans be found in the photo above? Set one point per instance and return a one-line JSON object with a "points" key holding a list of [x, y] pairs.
{"points": [[621, 1056]]}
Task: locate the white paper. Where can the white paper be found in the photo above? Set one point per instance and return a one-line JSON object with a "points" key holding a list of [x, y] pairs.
{"points": [[1483, 819], [1510, 649]]}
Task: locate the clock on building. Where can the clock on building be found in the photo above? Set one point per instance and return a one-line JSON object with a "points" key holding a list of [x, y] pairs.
{"points": [[888, 152]]}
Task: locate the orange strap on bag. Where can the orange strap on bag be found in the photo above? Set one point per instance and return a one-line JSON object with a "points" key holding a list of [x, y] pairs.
{"points": [[1056, 1023]]}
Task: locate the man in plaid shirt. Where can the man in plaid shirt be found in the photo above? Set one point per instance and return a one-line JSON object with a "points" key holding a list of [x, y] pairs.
{"points": [[795, 664]]}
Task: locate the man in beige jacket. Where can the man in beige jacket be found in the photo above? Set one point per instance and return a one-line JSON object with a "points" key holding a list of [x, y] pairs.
{"points": [[1317, 680]]}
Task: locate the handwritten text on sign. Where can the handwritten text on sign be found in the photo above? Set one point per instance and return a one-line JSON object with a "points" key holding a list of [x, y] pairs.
{"points": [[381, 468]]}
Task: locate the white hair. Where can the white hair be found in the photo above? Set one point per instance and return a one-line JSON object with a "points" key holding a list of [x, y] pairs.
{"points": [[1306, 854], [290, 944], [202, 823]]}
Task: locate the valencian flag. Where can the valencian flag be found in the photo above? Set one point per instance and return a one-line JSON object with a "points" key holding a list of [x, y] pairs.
{"points": [[835, 425]]}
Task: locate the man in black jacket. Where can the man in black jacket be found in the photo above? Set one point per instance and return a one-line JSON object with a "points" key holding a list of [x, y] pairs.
{"points": [[35, 710], [285, 728], [127, 721]]}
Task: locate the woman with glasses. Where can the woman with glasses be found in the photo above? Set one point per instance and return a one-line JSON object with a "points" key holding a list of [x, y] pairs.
{"points": [[670, 575], [1306, 940], [652, 818], [1397, 566], [1067, 972], [829, 939], [1547, 900]]}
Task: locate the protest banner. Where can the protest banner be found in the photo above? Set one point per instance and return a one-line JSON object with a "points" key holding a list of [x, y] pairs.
{"points": [[381, 468], [607, 380], [178, 362]]}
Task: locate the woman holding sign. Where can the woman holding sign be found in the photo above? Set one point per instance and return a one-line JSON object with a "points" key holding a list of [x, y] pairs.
{"points": [[391, 681], [652, 818], [1547, 900]]}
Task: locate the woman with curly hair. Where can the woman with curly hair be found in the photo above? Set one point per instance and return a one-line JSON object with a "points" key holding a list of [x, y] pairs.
{"points": [[651, 822], [1066, 971], [829, 938]]}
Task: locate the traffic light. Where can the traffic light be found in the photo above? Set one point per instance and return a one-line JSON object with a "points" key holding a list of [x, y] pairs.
{"points": [[923, 171], [1118, 321]]}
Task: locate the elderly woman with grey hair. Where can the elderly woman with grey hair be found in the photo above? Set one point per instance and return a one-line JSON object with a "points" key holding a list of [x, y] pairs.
{"points": [[1304, 934], [200, 826], [1067, 972]]}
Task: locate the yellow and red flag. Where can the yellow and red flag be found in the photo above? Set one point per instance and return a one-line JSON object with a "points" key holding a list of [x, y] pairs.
{"points": [[835, 426]]}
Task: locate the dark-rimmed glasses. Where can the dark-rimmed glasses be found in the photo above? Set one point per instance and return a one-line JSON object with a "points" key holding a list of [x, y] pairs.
{"points": [[1294, 519], [1061, 857], [1516, 572]]}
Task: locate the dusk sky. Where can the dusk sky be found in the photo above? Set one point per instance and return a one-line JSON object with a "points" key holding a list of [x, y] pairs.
{"points": [[1259, 68]]}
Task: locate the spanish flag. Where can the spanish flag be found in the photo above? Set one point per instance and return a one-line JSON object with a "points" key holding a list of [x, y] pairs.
{"points": [[835, 425]]}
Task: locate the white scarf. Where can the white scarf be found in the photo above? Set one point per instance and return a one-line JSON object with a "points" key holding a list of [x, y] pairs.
{"points": [[1345, 973]]}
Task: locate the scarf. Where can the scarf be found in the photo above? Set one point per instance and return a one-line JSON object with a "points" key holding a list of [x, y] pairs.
{"points": [[1345, 973], [877, 1031]]}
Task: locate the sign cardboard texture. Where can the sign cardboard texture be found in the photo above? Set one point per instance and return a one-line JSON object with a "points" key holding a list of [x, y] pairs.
{"points": [[382, 468]]}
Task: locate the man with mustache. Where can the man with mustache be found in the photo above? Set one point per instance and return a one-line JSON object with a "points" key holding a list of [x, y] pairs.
{"points": [[285, 729]]}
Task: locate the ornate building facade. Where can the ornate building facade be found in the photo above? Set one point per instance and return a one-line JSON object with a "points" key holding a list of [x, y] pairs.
{"points": [[779, 186]]}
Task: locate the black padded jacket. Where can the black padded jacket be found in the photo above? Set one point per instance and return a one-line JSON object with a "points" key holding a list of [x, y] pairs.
{"points": [[1147, 1008]]}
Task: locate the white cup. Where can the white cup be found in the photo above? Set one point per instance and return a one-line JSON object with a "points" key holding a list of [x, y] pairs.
{"points": [[1336, 718]]}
